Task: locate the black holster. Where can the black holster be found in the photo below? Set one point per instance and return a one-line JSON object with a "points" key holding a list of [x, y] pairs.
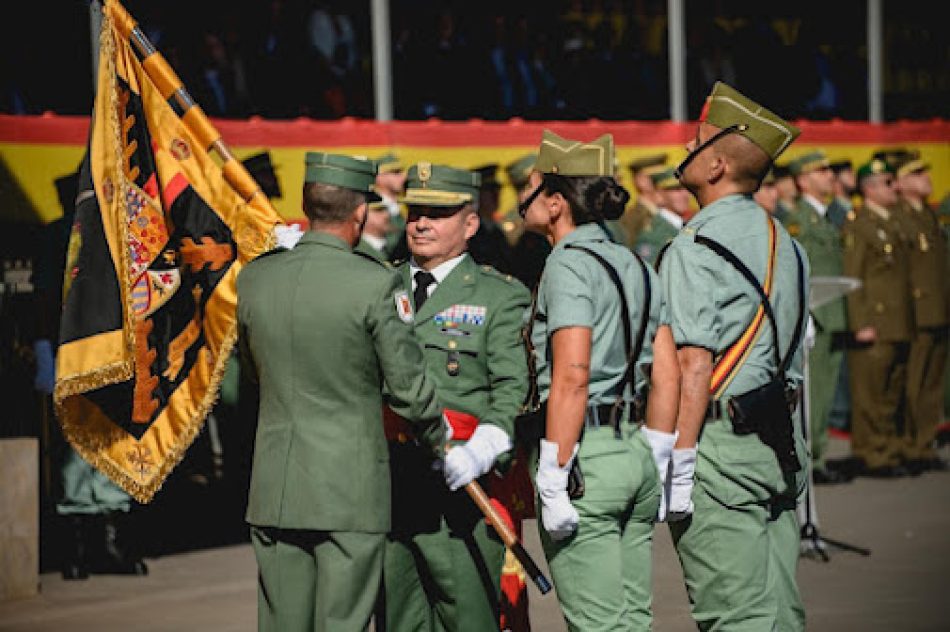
{"points": [[767, 412]]}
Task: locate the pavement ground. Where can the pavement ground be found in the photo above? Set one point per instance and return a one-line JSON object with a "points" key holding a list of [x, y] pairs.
{"points": [[902, 585]]}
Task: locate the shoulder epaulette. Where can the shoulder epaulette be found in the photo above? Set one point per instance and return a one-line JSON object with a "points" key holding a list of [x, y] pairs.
{"points": [[492, 272], [369, 257]]}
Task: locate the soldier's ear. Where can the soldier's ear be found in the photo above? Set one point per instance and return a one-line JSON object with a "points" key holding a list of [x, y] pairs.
{"points": [[472, 222]]}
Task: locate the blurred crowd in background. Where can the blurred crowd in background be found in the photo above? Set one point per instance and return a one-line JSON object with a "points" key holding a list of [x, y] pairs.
{"points": [[563, 59]]}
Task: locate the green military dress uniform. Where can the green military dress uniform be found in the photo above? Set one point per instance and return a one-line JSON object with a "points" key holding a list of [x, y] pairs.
{"points": [[322, 329], [603, 571], [876, 252], [658, 230], [739, 549], [930, 292], [443, 561], [821, 239]]}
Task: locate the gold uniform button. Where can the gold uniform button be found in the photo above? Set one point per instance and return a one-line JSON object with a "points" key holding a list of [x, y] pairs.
{"points": [[879, 308], [453, 344], [888, 248]]}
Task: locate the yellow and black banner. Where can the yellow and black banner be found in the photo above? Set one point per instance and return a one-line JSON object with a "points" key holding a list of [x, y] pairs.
{"points": [[149, 305]]}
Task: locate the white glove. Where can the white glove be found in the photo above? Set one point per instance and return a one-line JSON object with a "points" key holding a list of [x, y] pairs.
{"points": [[683, 465], [464, 463], [287, 235], [45, 378], [661, 443], [810, 333], [557, 513]]}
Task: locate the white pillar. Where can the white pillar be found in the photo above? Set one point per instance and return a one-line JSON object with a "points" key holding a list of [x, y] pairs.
{"points": [[876, 61], [677, 42], [382, 64]]}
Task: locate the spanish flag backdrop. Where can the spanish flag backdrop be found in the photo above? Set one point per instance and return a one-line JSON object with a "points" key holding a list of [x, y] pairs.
{"points": [[149, 296]]}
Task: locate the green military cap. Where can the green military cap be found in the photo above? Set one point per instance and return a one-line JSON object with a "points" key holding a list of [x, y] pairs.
{"points": [[780, 171], [812, 161], [872, 168], [726, 107], [519, 170], [488, 176], [652, 162], [438, 185], [576, 158], [388, 162], [895, 155], [665, 179], [358, 174]]}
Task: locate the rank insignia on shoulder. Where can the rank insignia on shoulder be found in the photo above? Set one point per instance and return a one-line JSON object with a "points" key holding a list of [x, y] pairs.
{"points": [[403, 306]]}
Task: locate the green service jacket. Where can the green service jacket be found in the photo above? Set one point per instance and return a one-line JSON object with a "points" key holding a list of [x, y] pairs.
{"points": [[929, 274], [821, 240], [323, 329], [876, 252], [470, 331], [656, 233]]}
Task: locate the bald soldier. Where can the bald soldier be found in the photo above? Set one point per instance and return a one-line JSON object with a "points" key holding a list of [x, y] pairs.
{"points": [[929, 279], [321, 330], [810, 224], [443, 561], [881, 320], [734, 524]]}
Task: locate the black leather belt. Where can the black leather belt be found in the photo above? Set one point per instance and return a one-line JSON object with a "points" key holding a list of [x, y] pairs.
{"points": [[717, 410], [599, 416]]}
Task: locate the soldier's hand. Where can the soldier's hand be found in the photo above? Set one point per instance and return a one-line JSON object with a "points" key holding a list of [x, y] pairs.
{"points": [[866, 334], [465, 463], [661, 443], [683, 466], [45, 379], [558, 515]]}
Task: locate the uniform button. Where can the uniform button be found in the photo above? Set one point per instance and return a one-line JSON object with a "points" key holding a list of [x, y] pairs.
{"points": [[453, 344], [888, 248], [879, 308]]}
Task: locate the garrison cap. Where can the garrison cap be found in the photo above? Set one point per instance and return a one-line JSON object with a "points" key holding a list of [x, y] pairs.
{"points": [[488, 175], [358, 174], [437, 185], [576, 158], [519, 170], [894, 155], [651, 163], [666, 179], [726, 106], [262, 170], [388, 162], [806, 163], [875, 167]]}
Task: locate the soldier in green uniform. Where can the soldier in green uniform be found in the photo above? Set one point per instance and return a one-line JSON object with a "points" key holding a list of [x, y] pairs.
{"points": [[635, 218], [321, 330], [930, 289], [530, 249], [374, 238], [787, 191], [93, 509], [809, 222], [766, 195], [489, 245], [881, 322], [390, 182], [662, 227], [599, 338], [735, 528], [443, 561], [842, 205]]}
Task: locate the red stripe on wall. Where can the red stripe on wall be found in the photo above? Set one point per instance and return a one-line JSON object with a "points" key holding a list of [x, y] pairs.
{"points": [[73, 130]]}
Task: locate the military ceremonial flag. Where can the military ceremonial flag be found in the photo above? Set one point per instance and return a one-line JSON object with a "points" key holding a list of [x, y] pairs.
{"points": [[160, 234]]}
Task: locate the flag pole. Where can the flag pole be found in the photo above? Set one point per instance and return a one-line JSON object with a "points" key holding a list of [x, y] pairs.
{"points": [[171, 87]]}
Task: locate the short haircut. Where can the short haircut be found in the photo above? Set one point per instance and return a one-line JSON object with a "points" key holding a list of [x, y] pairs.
{"points": [[329, 204], [749, 161]]}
